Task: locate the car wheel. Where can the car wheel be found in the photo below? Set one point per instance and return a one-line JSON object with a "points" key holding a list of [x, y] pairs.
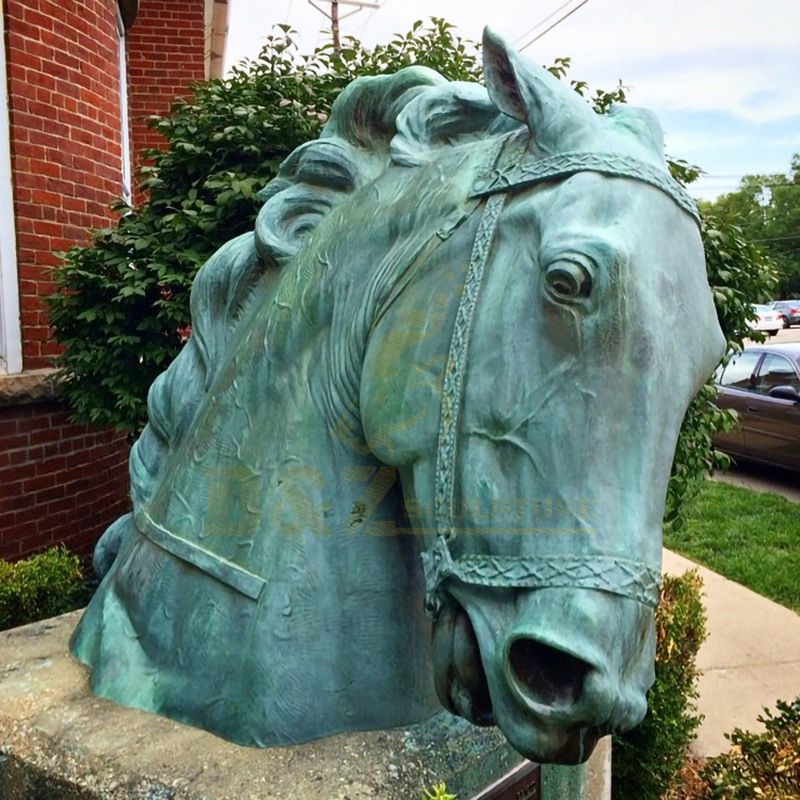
{"points": [[786, 323], [772, 333]]}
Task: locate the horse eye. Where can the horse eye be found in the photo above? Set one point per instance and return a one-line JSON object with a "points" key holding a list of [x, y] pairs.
{"points": [[568, 280]]}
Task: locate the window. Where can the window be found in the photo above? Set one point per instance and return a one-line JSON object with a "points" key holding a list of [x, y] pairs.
{"points": [[776, 371], [125, 141], [740, 370], [10, 339]]}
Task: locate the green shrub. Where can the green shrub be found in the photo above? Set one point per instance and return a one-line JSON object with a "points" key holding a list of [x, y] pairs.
{"points": [[647, 760], [122, 305], [760, 766], [41, 586]]}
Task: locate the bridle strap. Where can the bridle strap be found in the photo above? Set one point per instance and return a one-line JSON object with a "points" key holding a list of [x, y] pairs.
{"points": [[612, 574], [509, 173], [508, 169], [453, 386]]}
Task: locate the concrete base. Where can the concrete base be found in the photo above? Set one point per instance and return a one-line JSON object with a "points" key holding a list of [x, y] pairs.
{"points": [[59, 741]]}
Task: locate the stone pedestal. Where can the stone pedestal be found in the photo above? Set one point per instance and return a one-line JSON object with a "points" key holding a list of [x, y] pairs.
{"points": [[59, 741]]}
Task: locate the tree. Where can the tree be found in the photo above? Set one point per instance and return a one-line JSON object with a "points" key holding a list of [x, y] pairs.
{"points": [[767, 208]]}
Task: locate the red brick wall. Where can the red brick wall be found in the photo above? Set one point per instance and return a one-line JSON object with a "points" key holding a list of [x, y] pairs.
{"points": [[166, 52], [59, 482], [65, 140]]}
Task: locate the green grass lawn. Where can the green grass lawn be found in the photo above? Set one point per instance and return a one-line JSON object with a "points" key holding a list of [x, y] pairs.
{"points": [[752, 538]]}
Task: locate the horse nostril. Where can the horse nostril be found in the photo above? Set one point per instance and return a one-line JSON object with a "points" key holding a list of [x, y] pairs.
{"points": [[545, 674]]}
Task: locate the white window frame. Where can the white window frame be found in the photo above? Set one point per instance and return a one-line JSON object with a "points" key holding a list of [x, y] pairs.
{"points": [[10, 328], [125, 139]]}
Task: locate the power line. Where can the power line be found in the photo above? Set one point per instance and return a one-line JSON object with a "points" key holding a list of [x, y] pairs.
{"points": [[369, 19], [739, 176], [777, 238], [557, 22], [541, 22], [756, 186]]}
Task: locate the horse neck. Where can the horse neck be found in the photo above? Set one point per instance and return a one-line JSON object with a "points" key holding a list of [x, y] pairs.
{"points": [[289, 392]]}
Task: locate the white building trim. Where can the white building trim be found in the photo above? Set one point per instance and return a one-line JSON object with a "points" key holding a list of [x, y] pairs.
{"points": [[10, 332], [125, 140]]}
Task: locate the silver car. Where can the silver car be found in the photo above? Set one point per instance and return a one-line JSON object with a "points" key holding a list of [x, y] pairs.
{"points": [[767, 319], [789, 310]]}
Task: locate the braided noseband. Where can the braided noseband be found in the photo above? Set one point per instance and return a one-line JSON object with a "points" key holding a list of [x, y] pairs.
{"points": [[510, 167]]}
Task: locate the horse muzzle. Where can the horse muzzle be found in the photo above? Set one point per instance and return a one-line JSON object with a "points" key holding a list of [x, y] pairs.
{"points": [[567, 667]]}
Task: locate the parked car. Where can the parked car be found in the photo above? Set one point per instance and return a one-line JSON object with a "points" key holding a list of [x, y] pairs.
{"points": [[767, 319], [762, 384], [789, 310]]}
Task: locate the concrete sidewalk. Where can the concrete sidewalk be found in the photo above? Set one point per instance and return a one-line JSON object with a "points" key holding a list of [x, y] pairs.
{"points": [[750, 659]]}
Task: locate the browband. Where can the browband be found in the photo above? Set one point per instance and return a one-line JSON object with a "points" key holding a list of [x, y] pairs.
{"points": [[514, 167]]}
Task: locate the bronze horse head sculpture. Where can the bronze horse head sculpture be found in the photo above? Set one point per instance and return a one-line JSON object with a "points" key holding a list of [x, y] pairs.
{"points": [[418, 443]]}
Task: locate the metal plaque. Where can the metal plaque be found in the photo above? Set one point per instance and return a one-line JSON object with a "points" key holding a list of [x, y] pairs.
{"points": [[524, 782]]}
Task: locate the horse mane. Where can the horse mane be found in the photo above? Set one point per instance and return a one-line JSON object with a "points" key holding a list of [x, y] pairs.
{"points": [[376, 122], [399, 119]]}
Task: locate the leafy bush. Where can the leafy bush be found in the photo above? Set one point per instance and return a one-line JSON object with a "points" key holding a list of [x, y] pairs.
{"points": [[122, 305], [38, 587], [760, 766], [647, 760]]}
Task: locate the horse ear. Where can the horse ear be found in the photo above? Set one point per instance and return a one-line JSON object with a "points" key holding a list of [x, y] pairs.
{"points": [[643, 125], [552, 110], [502, 81]]}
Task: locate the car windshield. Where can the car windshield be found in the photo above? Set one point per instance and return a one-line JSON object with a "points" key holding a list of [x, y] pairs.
{"points": [[761, 308]]}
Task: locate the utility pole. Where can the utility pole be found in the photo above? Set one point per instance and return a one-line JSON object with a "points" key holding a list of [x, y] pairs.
{"points": [[334, 17], [337, 47]]}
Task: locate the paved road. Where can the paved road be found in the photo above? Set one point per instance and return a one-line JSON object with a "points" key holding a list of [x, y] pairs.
{"points": [[786, 335], [763, 479]]}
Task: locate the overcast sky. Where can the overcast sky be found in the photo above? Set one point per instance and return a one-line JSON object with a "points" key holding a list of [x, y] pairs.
{"points": [[723, 76]]}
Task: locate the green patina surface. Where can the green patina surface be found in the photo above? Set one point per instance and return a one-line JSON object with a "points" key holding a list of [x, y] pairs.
{"points": [[433, 344]]}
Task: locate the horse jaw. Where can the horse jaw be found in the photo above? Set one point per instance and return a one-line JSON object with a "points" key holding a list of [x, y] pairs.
{"points": [[458, 673]]}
